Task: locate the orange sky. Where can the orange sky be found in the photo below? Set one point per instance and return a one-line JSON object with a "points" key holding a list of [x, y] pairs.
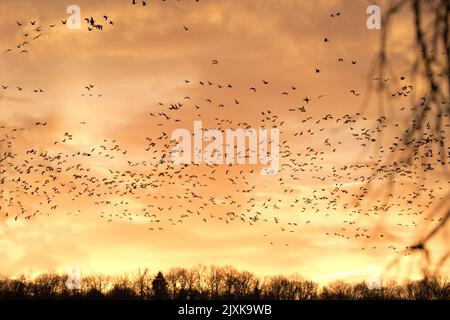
{"points": [[139, 66]]}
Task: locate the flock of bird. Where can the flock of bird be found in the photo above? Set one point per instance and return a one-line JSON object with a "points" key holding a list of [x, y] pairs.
{"points": [[88, 91], [63, 178], [21, 88], [92, 24], [32, 31]]}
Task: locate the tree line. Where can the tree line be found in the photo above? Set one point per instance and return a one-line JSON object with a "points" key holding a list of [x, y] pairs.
{"points": [[213, 282]]}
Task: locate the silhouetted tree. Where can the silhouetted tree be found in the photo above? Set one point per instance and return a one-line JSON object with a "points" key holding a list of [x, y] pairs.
{"points": [[431, 288], [47, 286], [425, 129], [95, 286], [14, 288], [213, 283], [159, 286], [122, 289], [337, 290], [142, 284]]}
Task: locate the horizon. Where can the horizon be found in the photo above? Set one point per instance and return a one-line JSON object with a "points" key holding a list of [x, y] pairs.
{"points": [[88, 116]]}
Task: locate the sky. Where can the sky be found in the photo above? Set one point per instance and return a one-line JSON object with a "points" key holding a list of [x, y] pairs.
{"points": [[155, 56]]}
